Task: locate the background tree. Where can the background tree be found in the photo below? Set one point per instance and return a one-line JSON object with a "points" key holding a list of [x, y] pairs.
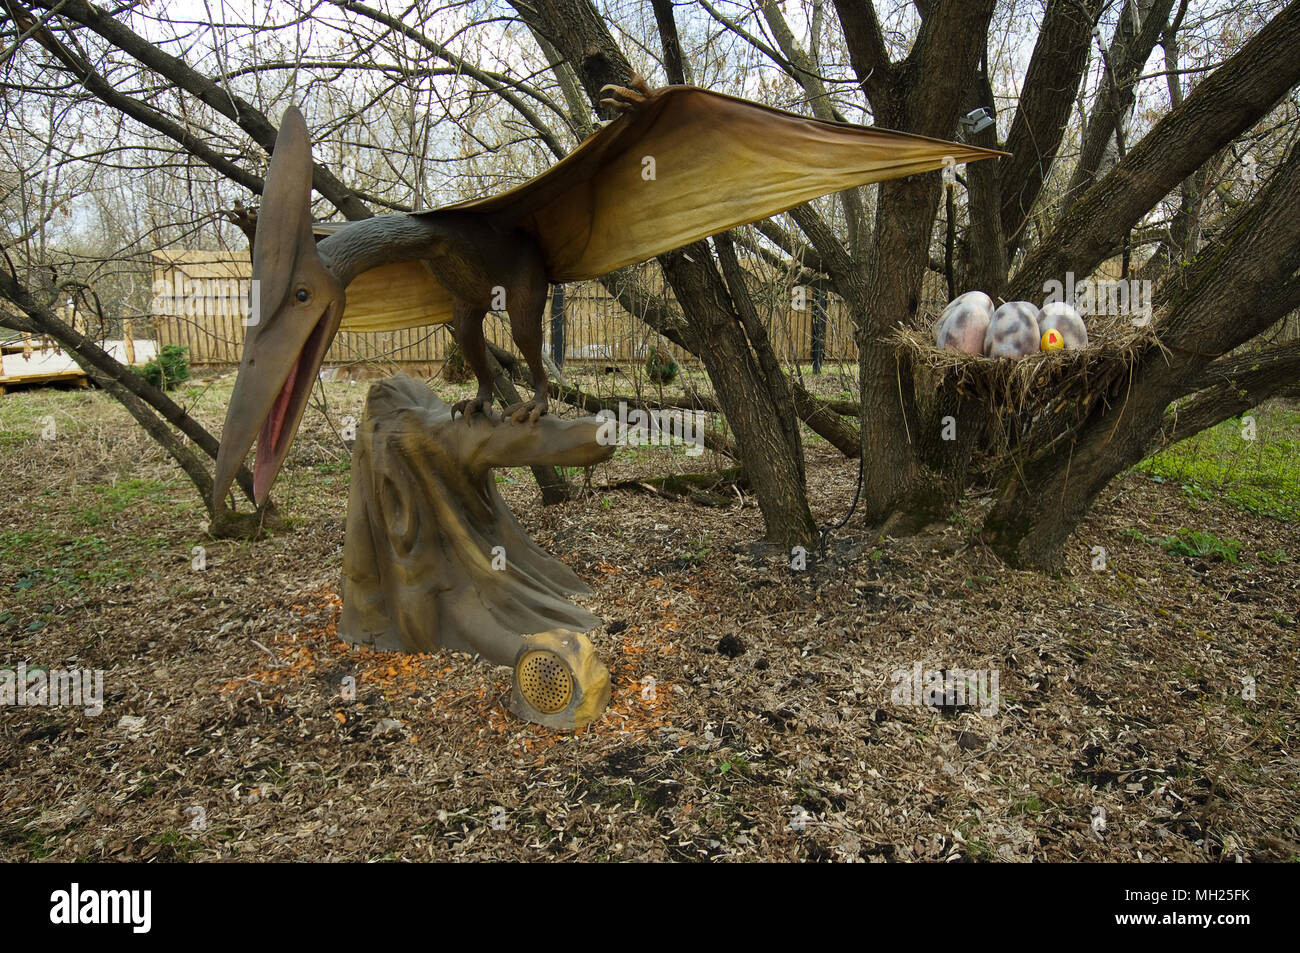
{"points": [[1178, 172]]}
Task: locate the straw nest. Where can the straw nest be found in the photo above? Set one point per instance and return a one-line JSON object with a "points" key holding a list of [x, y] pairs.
{"points": [[1048, 380]]}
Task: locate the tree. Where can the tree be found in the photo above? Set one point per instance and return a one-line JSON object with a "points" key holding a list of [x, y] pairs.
{"points": [[1237, 287], [1184, 176]]}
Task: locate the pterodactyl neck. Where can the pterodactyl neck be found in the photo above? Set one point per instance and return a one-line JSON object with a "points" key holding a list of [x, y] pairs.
{"points": [[385, 240]]}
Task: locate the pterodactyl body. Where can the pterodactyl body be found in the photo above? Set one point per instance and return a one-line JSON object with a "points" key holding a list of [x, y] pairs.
{"points": [[680, 164]]}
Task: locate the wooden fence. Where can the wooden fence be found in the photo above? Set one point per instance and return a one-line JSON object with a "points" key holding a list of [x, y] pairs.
{"points": [[199, 303]]}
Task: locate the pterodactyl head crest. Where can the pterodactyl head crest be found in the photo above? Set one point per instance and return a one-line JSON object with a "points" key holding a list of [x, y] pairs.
{"points": [[297, 306]]}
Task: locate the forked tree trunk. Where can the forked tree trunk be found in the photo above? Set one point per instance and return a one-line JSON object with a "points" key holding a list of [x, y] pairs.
{"points": [[1041, 504], [762, 421], [1236, 290]]}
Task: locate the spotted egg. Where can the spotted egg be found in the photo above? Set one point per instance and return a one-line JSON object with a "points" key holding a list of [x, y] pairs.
{"points": [[964, 322], [1013, 330], [1064, 319]]}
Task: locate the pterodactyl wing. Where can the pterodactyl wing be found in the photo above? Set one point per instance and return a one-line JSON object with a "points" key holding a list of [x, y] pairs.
{"points": [[685, 164]]}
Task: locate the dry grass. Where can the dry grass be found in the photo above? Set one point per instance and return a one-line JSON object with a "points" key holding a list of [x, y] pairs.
{"points": [[1047, 380], [751, 718]]}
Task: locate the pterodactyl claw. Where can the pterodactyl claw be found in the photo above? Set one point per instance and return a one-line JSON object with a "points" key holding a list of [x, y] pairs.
{"points": [[527, 412], [472, 405], [628, 97]]}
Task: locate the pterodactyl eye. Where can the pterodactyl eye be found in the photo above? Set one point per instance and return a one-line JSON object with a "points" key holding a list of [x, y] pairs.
{"points": [[303, 295]]}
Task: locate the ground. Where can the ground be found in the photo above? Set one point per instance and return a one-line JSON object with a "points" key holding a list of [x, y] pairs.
{"points": [[1146, 707]]}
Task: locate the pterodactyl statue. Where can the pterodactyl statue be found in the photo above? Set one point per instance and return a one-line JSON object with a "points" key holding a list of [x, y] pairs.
{"points": [[679, 164]]}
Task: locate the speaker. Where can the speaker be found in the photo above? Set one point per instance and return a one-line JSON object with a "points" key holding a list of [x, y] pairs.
{"points": [[559, 682]]}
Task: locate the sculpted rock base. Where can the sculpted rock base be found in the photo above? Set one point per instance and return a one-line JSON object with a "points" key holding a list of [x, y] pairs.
{"points": [[432, 556]]}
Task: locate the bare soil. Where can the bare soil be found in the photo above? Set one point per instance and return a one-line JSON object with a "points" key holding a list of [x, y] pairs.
{"points": [[754, 715]]}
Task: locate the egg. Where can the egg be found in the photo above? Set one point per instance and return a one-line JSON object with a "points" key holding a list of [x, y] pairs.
{"points": [[1013, 330], [1064, 319], [964, 322]]}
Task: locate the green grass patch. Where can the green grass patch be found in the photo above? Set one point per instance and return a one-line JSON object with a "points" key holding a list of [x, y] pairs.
{"points": [[1135, 534], [28, 411], [1260, 476], [737, 764], [105, 501], [1190, 542], [1028, 805], [39, 846], [48, 558], [175, 845], [13, 439], [118, 496]]}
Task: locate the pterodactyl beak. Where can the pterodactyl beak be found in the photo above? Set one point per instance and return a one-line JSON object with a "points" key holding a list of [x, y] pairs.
{"points": [[298, 306]]}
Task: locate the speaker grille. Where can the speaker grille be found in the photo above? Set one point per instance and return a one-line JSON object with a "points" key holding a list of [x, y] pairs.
{"points": [[545, 682]]}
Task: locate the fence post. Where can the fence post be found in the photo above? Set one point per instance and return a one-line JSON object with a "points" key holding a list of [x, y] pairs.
{"points": [[557, 325], [818, 328]]}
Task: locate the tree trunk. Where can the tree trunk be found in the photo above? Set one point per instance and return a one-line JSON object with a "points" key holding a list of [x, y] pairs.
{"points": [[1128, 52], [737, 364], [1043, 114], [984, 247], [760, 420], [898, 493], [1236, 290]]}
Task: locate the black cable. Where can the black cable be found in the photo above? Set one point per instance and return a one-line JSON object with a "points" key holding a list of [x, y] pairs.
{"points": [[857, 495]]}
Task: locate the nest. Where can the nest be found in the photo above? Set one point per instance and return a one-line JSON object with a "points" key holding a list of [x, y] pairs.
{"points": [[1048, 380]]}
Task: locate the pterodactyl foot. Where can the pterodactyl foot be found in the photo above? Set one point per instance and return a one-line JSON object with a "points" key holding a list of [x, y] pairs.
{"points": [[471, 406], [527, 412], [625, 98]]}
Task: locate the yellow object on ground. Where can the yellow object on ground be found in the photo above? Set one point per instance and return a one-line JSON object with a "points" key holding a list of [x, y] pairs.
{"points": [[559, 682]]}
